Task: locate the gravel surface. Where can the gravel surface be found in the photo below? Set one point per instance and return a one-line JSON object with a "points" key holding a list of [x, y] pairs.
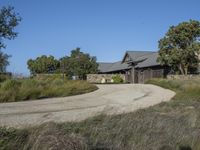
{"points": [[109, 99]]}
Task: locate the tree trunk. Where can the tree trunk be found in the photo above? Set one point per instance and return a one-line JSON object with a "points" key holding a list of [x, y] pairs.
{"points": [[181, 69], [186, 70]]}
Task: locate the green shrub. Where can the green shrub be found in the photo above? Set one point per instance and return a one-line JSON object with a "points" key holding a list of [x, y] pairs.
{"points": [[117, 79]]}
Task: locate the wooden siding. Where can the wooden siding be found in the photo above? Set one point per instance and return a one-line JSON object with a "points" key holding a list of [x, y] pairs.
{"points": [[145, 74]]}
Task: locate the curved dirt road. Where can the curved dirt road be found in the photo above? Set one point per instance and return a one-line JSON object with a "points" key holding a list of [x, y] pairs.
{"points": [[109, 99]]}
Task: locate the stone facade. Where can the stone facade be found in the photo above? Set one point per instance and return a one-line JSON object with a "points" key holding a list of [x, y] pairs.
{"points": [[183, 77], [103, 78]]}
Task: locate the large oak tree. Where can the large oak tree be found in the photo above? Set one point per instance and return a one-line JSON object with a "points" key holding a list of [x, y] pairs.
{"points": [[180, 47]]}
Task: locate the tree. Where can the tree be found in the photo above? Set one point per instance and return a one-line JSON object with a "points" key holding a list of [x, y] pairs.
{"points": [[66, 66], [43, 64], [3, 61], [180, 47], [79, 64], [8, 21]]}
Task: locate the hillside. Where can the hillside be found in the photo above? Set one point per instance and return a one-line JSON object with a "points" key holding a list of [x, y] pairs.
{"points": [[173, 125]]}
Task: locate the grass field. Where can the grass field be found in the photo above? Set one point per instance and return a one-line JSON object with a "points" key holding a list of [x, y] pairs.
{"points": [[173, 125], [28, 89]]}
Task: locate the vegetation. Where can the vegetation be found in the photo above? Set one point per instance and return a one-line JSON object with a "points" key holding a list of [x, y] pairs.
{"points": [[5, 76], [26, 89], [43, 64], [187, 91], [8, 21], [170, 125], [3, 61], [117, 79], [77, 64], [180, 47]]}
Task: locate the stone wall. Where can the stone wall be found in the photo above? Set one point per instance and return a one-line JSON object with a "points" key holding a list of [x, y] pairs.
{"points": [[184, 77], [103, 78]]}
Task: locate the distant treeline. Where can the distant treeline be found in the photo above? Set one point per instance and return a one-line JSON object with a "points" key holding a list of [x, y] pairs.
{"points": [[77, 64]]}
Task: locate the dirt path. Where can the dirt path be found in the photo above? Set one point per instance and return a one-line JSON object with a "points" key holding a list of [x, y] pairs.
{"points": [[109, 99]]}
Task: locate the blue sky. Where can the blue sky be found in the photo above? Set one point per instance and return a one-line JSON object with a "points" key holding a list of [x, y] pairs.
{"points": [[103, 28]]}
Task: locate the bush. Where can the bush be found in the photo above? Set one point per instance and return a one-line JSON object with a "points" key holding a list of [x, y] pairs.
{"points": [[117, 79]]}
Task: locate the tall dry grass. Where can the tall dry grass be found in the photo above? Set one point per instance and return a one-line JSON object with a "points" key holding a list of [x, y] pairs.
{"points": [[28, 89]]}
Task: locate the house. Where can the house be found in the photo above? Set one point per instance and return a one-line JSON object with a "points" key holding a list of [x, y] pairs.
{"points": [[136, 67]]}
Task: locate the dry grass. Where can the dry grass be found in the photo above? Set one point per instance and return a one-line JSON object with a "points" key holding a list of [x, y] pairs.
{"points": [[27, 89], [174, 125]]}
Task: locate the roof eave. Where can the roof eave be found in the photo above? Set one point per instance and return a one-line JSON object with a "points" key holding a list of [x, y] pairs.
{"points": [[148, 66]]}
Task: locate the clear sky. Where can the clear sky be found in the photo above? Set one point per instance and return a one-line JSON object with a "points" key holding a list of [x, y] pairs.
{"points": [[103, 28]]}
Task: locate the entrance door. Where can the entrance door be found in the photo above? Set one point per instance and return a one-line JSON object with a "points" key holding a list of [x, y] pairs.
{"points": [[140, 76]]}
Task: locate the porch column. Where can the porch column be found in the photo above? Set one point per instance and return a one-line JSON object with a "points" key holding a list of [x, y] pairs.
{"points": [[133, 74]]}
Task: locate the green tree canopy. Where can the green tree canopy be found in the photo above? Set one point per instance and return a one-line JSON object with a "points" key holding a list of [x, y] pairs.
{"points": [[8, 21], [79, 64], [43, 64], [66, 66], [180, 47]]}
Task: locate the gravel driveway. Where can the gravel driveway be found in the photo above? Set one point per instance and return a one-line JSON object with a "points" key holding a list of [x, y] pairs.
{"points": [[109, 99]]}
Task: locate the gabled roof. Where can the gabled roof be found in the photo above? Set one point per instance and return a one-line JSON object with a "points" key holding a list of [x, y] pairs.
{"points": [[136, 54], [141, 59]]}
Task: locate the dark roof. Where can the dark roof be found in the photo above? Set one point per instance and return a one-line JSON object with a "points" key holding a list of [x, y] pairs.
{"points": [[111, 67], [136, 54], [140, 58], [104, 67], [119, 66], [148, 60]]}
